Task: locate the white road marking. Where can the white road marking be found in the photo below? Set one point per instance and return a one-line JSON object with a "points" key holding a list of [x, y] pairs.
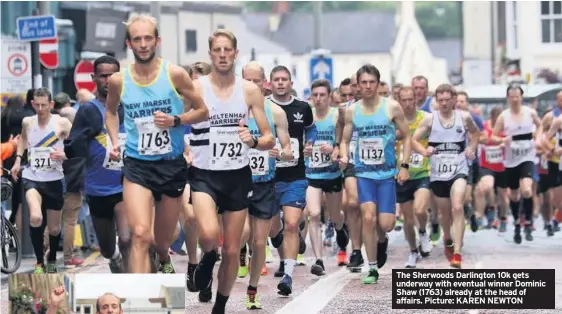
{"points": [[317, 296]]}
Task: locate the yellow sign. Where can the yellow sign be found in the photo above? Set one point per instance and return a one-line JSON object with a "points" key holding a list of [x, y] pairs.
{"points": [[6, 96]]}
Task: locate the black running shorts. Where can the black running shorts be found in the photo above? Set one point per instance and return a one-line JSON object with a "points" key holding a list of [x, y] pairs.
{"points": [[52, 192], [263, 204], [230, 189], [104, 206]]}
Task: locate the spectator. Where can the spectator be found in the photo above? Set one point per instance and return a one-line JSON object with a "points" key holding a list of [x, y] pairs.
{"points": [[199, 69], [61, 100], [83, 96]]}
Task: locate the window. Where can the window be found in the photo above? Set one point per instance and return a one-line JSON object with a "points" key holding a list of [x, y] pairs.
{"points": [[220, 26], [551, 21], [87, 309], [190, 40]]}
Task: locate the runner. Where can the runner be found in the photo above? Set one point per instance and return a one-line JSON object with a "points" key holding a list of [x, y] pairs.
{"points": [[324, 176], [413, 196], [473, 168], [350, 199], [42, 177], [425, 101], [375, 119], [220, 174], [263, 206], [290, 176], [518, 123], [554, 133], [448, 153], [102, 187], [152, 92], [491, 175]]}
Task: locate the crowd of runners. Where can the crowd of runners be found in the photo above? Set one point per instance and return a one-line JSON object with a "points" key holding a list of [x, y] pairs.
{"points": [[245, 165]]}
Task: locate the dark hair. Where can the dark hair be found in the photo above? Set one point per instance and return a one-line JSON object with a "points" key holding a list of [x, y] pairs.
{"points": [[60, 99], [29, 97], [514, 86], [369, 69], [345, 82], [496, 111], [398, 85], [419, 78], [280, 68], [106, 60], [42, 92], [463, 93], [201, 68], [321, 83], [445, 88], [383, 83], [14, 104]]}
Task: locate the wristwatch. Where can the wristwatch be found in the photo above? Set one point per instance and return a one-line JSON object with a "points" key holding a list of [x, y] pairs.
{"points": [[255, 139], [405, 166], [177, 121]]}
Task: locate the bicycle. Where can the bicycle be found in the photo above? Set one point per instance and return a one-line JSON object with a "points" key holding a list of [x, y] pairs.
{"points": [[10, 240]]}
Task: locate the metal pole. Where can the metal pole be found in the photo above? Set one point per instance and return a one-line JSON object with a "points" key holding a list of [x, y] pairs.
{"points": [[35, 63], [155, 12], [43, 7], [317, 24]]}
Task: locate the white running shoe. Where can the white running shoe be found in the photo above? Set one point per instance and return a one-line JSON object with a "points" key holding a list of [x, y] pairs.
{"points": [[413, 258], [425, 245]]}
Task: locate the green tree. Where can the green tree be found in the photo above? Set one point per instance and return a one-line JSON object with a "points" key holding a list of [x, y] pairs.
{"points": [[437, 19]]}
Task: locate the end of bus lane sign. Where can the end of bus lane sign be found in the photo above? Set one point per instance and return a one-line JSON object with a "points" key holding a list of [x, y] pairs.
{"points": [[35, 28]]}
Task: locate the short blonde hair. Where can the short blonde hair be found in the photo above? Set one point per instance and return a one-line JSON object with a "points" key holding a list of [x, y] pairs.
{"points": [[226, 33], [135, 17]]}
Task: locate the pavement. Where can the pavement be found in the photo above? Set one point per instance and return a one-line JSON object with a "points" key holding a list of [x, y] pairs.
{"points": [[342, 292]]}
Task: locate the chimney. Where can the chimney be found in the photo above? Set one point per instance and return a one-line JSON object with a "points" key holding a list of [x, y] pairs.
{"points": [[280, 7], [405, 12]]}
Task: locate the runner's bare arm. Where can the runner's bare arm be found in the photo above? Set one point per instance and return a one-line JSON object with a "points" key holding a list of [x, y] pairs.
{"points": [[114, 88], [347, 131], [65, 126], [192, 98], [472, 129], [498, 128], [255, 101], [554, 127], [421, 133], [22, 143], [282, 130], [402, 126], [537, 121], [340, 125]]}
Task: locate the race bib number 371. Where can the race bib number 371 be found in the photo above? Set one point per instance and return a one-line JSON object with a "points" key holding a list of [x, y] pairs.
{"points": [[41, 159], [152, 140]]}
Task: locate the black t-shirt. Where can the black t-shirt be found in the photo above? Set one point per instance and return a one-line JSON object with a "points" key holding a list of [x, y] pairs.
{"points": [[300, 117]]}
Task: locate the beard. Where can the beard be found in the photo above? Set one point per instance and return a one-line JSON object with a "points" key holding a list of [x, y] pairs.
{"points": [[138, 59]]}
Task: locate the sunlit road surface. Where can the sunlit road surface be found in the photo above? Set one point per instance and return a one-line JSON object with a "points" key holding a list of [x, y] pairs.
{"points": [[342, 292]]}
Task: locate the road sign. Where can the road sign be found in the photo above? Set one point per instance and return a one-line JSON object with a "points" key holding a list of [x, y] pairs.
{"points": [[49, 53], [321, 69], [83, 75], [306, 94], [34, 28], [16, 66]]}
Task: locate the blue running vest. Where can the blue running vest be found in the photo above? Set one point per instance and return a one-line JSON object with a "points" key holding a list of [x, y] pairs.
{"points": [[144, 140], [320, 166], [263, 166], [103, 177], [375, 155]]}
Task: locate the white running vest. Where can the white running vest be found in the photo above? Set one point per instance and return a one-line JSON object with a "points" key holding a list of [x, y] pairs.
{"points": [[519, 151], [449, 159], [215, 144], [40, 143]]}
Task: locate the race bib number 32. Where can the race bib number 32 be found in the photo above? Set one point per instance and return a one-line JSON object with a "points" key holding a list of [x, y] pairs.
{"points": [[41, 159], [152, 140], [259, 162], [371, 151]]}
